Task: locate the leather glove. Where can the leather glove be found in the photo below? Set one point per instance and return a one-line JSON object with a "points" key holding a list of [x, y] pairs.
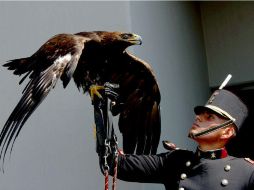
{"points": [[100, 113], [99, 118], [112, 92], [106, 145]]}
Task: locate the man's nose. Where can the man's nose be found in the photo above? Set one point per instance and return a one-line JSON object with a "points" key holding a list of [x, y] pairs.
{"points": [[198, 118]]}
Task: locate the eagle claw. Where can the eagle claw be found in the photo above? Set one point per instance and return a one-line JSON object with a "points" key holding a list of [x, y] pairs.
{"points": [[94, 91]]}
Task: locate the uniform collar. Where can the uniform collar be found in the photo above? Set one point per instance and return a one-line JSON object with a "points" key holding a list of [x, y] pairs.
{"points": [[212, 154]]}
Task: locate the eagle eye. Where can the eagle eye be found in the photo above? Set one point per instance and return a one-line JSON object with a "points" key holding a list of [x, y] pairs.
{"points": [[126, 36]]}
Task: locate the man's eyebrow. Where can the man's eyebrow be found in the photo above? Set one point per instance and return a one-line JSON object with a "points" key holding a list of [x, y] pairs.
{"points": [[214, 113]]}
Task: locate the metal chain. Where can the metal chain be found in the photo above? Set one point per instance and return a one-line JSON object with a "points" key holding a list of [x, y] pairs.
{"points": [[106, 166]]}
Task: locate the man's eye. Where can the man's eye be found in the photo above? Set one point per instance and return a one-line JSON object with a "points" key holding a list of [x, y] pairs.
{"points": [[210, 116]]}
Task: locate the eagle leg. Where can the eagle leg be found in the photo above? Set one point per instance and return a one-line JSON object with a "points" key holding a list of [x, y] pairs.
{"points": [[94, 91]]}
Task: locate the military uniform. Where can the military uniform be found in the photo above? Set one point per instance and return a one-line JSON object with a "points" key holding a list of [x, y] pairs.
{"points": [[186, 170]]}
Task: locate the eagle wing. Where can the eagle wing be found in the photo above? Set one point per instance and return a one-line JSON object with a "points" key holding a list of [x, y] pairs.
{"points": [[91, 57], [139, 120], [57, 58]]}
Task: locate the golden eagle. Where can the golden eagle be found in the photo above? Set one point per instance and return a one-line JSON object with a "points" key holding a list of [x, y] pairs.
{"points": [[91, 58]]}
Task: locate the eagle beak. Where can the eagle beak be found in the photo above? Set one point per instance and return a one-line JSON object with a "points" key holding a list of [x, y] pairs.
{"points": [[135, 39]]}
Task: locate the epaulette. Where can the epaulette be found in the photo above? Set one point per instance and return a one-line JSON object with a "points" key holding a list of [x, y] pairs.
{"points": [[249, 160], [169, 145]]}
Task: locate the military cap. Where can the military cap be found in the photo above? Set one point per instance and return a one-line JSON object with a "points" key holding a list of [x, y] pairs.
{"points": [[226, 104]]}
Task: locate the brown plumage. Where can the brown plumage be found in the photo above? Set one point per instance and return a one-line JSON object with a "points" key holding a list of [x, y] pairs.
{"points": [[91, 58]]}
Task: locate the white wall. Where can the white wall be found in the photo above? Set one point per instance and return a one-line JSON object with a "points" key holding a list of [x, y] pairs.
{"points": [[228, 31], [55, 149]]}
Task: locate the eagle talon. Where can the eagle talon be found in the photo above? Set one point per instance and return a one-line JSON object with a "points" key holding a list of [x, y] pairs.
{"points": [[94, 91]]}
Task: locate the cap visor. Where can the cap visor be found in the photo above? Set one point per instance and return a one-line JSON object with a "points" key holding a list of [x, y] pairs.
{"points": [[200, 109]]}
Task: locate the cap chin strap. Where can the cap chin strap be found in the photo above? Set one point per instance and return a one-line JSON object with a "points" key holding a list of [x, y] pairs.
{"points": [[212, 129]]}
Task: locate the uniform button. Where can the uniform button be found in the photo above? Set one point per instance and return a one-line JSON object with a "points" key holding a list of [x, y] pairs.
{"points": [[181, 188], [183, 176], [188, 163], [224, 182], [227, 168]]}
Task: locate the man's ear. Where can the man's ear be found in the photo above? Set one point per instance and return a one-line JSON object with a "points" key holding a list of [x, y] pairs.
{"points": [[228, 132]]}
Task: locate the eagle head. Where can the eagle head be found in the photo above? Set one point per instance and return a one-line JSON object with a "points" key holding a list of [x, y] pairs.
{"points": [[130, 38], [119, 40]]}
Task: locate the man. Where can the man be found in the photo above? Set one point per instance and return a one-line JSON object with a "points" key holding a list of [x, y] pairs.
{"points": [[210, 167]]}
